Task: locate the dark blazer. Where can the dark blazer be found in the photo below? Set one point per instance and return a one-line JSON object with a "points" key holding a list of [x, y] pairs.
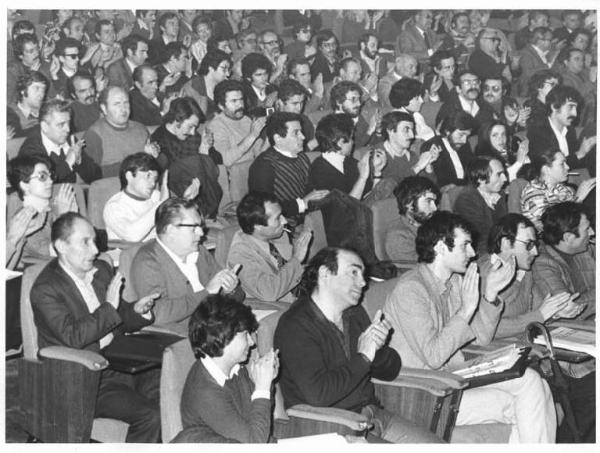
{"points": [[119, 74], [411, 42], [541, 137], [87, 169], [63, 318], [156, 50], [162, 72], [483, 65], [143, 110], [453, 106], [321, 66], [444, 169], [254, 106]]}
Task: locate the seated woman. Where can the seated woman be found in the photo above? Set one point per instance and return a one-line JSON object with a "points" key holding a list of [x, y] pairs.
{"points": [[495, 140], [215, 67], [549, 187], [31, 209], [221, 393]]}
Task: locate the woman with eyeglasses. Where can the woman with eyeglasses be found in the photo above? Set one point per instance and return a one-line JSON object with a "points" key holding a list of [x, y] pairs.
{"points": [[31, 208], [549, 186]]}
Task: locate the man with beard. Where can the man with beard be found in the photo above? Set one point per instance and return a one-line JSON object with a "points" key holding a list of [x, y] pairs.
{"points": [[368, 53], [114, 136], [455, 153], [346, 98], [405, 66], [24, 114], [417, 201], [269, 44], [236, 135], [84, 107], [135, 53], [439, 307], [326, 61], [51, 140], [562, 104], [483, 202], [466, 99]]}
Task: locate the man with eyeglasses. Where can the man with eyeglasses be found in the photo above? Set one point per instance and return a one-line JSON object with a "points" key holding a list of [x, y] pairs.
{"points": [[135, 53], [346, 98], [65, 65], [326, 60], [439, 307], [269, 45], [177, 266], [535, 56], [490, 57], [493, 91], [301, 47]]}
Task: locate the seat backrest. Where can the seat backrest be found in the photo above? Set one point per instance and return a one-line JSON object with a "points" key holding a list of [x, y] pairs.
{"points": [[515, 188], [13, 146], [376, 295], [238, 180], [99, 193], [429, 110], [449, 197], [314, 221], [384, 213], [223, 243], [223, 180], [125, 260], [28, 327]]}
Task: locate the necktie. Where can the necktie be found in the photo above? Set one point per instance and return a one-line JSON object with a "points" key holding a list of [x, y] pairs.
{"points": [[275, 254], [426, 39]]}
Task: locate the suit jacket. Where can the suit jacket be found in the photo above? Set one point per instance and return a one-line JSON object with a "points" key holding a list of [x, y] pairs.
{"points": [[452, 106], [153, 270], [541, 137], [384, 88], [471, 206], [530, 62], [119, 74], [411, 42], [259, 276], [63, 318], [87, 169], [444, 169], [321, 66], [143, 110]]}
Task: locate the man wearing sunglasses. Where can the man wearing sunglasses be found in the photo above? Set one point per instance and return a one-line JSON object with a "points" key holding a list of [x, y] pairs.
{"points": [[490, 55], [65, 65], [178, 267]]}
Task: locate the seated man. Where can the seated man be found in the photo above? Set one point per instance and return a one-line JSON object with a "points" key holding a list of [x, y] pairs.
{"points": [[417, 201], [259, 94], [513, 238], [135, 53], [24, 114], [435, 311], [566, 261], [146, 106], [85, 109], [346, 98], [406, 96], [329, 350], [271, 265], [405, 67], [282, 170], [67, 52], [224, 392], [129, 214], [51, 139], [76, 303], [114, 136], [177, 267], [291, 97], [483, 202]]}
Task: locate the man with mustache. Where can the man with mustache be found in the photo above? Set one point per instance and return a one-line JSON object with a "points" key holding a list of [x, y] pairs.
{"points": [[466, 99], [438, 307], [236, 136], [346, 98], [84, 106], [562, 104], [26, 50]]}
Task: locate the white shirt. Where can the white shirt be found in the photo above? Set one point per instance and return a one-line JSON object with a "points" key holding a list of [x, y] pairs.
{"points": [[52, 147], [261, 94], [187, 267], [470, 107], [218, 375], [395, 153], [422, 129], [561, 136], [335, 159], [89, 296], [130, 219], [458, 168], [542, 55]]}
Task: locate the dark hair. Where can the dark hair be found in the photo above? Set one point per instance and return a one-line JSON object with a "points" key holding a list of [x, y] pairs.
{"points": [[536, 81], [403, 91], [181, 109], [20, 27], [243, 34], [141, 13], [78, 75], [162, 20], [68, 23], [54, 105], [101, 23], [64, 44], [460, 121], [212, 43], [505, 84], [412, 188], [172, 50], [291, 65], [478, 169], [131, 42], [28, 79], [62, 227], [289, 88], [439, 227], [456, 16], [224, 87], [212, 59], [570, 12], [300, 23], [364, 39], [332, 128], [20, 41], [199, 19], [137, 162], [559, 96], [277, 124], [484, 143], [576, 33], [436, 59], [20, 169], [169, 211], [562, 218], [544, 157], [138, 72], [538, 33], [325, 35], [459, 74], [328, 257], [506, 227], [340, 90], [390, 122], [251, 210], [253, 62], [103, 97], [215, 323]]}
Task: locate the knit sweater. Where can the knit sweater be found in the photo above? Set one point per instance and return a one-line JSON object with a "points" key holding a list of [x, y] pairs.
{"points": [[108, 145], [228, 133], [130, 219]]}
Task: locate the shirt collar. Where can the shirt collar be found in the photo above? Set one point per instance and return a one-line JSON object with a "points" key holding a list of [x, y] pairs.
{"points": [[261, 94], [395, 153], [216, 372], [562, 132], [142, 24], [285, 153], [52, 147], [433, 281], [87, 280], [27, 111], [490, 198], [192, 258], [335, 159]]}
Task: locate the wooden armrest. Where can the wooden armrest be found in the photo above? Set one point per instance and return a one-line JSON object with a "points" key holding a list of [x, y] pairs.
{"points": [[120, 244], [433, 385], [446, 377], [404, 264], [588, 326], [352, 420], [89, 359]]}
